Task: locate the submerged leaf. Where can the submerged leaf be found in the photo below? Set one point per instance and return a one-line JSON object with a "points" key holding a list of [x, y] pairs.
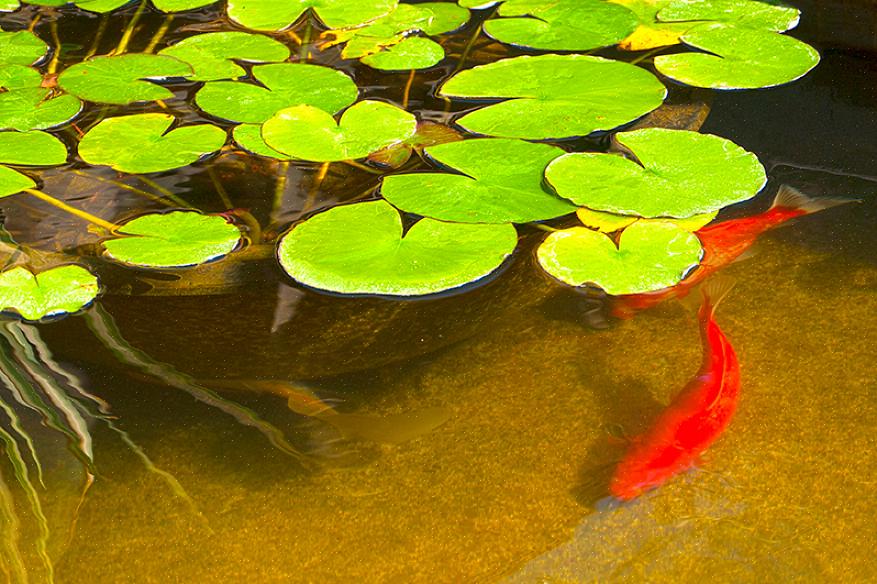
{"points": [[650, 256], [555, 96], [21, 48], [682, 174], [561, 25], [173, 240], [141, 143], [120, 79], [212, 55], [55, 291], [309, 133], [500, 181], [285, 85], [738, 58], [278, 15], [361, 249]]}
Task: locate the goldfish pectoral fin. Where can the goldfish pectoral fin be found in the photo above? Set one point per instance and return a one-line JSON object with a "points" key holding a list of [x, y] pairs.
{"points": [[392, 429]]}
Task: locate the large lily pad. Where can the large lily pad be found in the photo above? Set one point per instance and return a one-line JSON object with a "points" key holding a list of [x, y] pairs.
{"points": [[309, 133], [55, 291], [409, 53], [561, 25], [21, 48], [361, 249], [741, 13], [650, 256], [285, 85], [738, 58], [141, 143], [682, 174], [212, 55], [122, 79], [500, 181], [280, 14], [555, 96], [173, 240]]}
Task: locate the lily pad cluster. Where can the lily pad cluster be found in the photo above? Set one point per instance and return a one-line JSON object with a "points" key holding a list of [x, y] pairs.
{"points": [[624, 218]]}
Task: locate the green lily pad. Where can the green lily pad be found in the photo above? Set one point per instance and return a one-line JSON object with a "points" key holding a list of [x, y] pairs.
{"points": [[650, 256], [361, 249], [285, 85], [181, 5], [19, 77], [738, 58], [555, 96], [275, 15], [26, 105], [651, 33], [21, 48], [741, 13], [121, 79], [682, 174], [173, 240], [500, 181], [561, 25], [141, 143], [410, 53], [610, 222], [9, 5], [31, 149], [12, 182], [99, 6], [309, 133], [212, 55], [55, 291], [249, 137]]}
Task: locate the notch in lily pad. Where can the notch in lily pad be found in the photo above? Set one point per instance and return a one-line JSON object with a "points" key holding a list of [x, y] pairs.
{"points": [[362, 249], [53, 292], [176, 239], [123, 79], [677, 173], [214, 55], [649, 256]]}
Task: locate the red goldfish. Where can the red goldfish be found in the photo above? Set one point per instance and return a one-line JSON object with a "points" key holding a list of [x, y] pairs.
{"points": [[725, 242], [697, 416]]}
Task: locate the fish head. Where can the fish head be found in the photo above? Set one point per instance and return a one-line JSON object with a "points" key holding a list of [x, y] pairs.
{"points": [[632, 478]]}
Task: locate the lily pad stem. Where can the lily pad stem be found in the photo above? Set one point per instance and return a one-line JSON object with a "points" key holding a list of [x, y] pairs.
{"points": [[72, 210], [98, 36], [544, 227], [159, 34], [407, 93], [56, 48], [129, 30], [304, 51], [176, 199], [646, 55], [279, 190], [363, 167], [220, 190], [315, 187], [254, 230]]}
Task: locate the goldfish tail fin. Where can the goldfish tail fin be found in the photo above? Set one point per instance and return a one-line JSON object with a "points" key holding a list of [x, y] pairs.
{"points": [[715, 290], [791, 198]]}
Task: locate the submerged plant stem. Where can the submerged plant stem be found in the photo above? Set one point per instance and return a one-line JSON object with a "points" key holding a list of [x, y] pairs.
{"points": [[363, 167], [72, 210], [304, 52], [407, 93], [159, 34], [56, 48], [98, 36], [220, 190], [279, 190], [165, 192], [315, 187], [129, 30], [151, 196], [646, 55]]}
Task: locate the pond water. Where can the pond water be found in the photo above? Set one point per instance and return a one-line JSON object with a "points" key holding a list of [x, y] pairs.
{"points": [[202, 473]]}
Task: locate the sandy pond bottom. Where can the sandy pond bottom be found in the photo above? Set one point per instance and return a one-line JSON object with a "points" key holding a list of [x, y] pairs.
{"points": [[504, 490]]}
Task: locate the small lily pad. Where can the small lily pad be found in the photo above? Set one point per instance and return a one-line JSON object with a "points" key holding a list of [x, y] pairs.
{"points": [[274, 15], [409, 53], [650, 256], [31, 149], [738, 58], [21, 48], [212, 55], [682, 174], [141, 143], [555, 96], [561, 25], [173, 240], [52, 292], [26, 105], [309, 133], [361, 249], [285, 85], [610, 222], [499, 181], [122, 79]]}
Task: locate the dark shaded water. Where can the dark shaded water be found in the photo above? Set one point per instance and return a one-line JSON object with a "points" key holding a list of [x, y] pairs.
{"points": [[193, 485]]}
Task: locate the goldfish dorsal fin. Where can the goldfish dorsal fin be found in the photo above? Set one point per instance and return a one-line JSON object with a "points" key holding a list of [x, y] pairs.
{"points": [[716, 289], [791, 198]]}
